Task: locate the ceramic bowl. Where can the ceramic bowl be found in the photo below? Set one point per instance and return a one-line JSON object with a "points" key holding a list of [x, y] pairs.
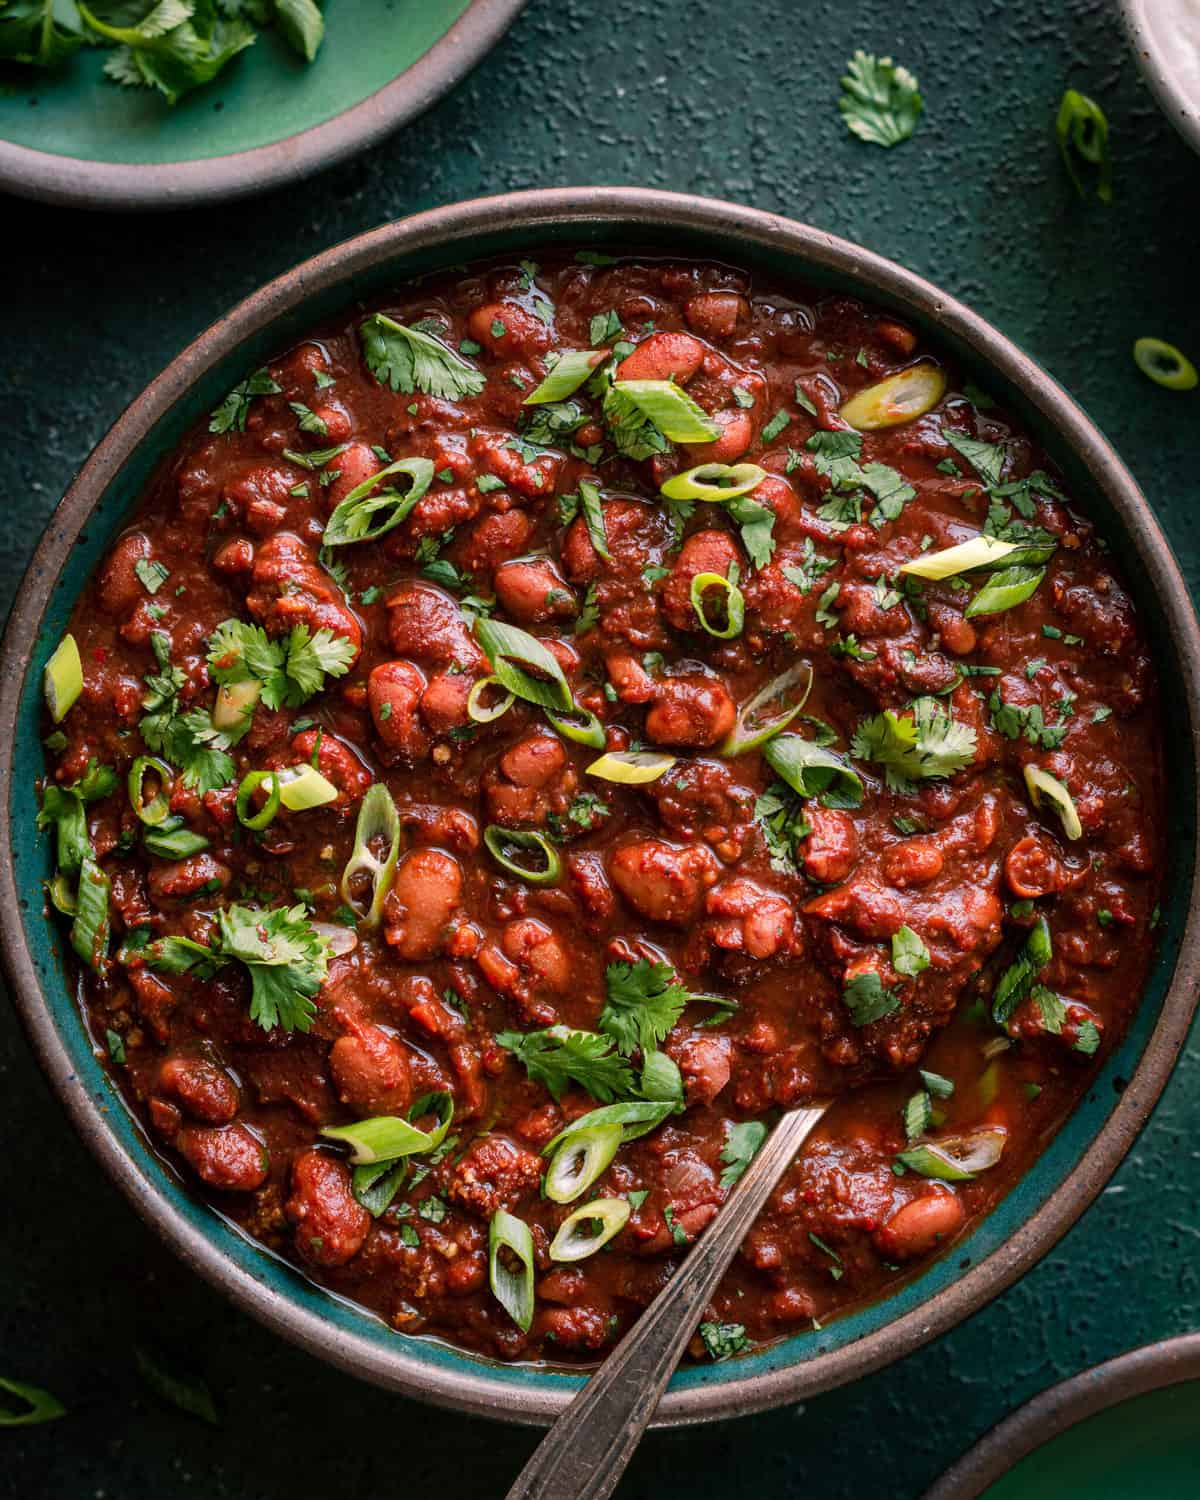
{"points": [[1128, 1427], [1075, 1165], [1165, 36]]}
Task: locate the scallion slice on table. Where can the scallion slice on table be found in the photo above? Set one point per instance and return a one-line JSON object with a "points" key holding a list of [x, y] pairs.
{"points": [[1164, 364], [378, 823], [509, 1241], [902, 397], [32, 1404], [62, 680], [1081, 130], [589, 1228], [957, 1158], [572, 369], [631, 767], [158, 809], [503, 843], [355, 518], [714, 482], [580, 1159], [734, 605], [752, 730], [670, 408], [1041, 785]]}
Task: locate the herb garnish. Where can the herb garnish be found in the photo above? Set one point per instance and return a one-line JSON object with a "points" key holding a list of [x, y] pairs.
{"points": [[881, 101]]}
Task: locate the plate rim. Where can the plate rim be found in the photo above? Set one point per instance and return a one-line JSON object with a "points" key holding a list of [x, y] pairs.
{"points": [[1181, 109], [133, 187], [475, 1388]]}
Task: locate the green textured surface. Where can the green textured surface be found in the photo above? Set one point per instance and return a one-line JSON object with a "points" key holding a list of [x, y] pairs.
{"points": [[1149, 1446], [265, 94], [626, 94]]}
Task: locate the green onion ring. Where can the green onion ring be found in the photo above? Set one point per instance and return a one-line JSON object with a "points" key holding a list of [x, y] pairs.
{"points": [[62, 679], [735, 604], [512, 1289], [714, 482], [579, 1160], [1164, 364], [158, 809], [479, 715], [569, 1244], [377, 819], [742, 737], [590, 732], [249, 785], [497, 839]]}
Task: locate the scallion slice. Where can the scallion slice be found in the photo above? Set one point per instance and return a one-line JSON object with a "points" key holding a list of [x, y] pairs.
{"points": [[671, 410], [172, 840], [573, 368], [509, 1239], [303, 787], [811, 770], [580, 1160], [750, 732], [500, 841], [636, 1117], [957, 1158], [250, 784], [476, 711], [158, 809], [714, 482], [1043, 784], [62, 680], [236, 701], [631, 767], [580, 725], [1005, 590], [900, 398], [37, 1405], [735, 605], [979, 552], [589, 1228], [378, 821], [354, 519], [89, 930], [381, 1138], [505, 647], [1164, 364]]}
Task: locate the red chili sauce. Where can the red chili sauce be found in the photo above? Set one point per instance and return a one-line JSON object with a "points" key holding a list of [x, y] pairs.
{"points": [[730, 944]]}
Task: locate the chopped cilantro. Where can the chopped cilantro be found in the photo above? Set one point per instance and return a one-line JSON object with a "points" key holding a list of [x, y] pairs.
{"points": [[742, 1140], [881, 101]]}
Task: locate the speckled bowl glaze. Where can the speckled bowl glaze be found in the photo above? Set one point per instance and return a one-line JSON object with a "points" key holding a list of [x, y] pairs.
{"points": [[1152, 28], [1075, 1165], [1148, 1445]]}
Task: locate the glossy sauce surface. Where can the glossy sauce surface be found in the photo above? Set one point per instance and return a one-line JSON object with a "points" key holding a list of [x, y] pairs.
{"points": [[682, 871]]}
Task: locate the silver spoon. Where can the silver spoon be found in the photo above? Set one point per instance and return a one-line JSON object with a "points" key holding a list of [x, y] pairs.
{"points": [[584, 1454]]}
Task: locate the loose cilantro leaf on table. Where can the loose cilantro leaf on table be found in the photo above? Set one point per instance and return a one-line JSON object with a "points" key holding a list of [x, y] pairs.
{"points": [[881, 101], [407, 360], [644, 1001], [287, 960], [921, 743]]}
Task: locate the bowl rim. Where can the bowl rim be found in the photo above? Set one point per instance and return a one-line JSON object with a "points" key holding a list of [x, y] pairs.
{"points": [[1137, 1372], [562, 212], [1181, 108], [77, 182]]}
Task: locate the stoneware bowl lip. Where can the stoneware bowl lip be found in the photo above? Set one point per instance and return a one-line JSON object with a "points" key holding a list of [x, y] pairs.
{"points": [[75, 182], [1180, 107], [582, 216], [1052, 1412]]}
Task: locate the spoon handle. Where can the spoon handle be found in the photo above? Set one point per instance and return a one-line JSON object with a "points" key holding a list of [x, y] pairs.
{"points": [[584, 1454]]}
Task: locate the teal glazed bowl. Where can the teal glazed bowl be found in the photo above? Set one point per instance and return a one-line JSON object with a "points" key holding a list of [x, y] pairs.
{"points": [[1075, 1165]]}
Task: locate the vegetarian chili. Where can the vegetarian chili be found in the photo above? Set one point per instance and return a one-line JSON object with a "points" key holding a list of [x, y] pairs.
{"points": [[543, 724]]}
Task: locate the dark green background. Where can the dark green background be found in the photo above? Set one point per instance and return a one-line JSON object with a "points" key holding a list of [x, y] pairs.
{"points": [[733, 98]]}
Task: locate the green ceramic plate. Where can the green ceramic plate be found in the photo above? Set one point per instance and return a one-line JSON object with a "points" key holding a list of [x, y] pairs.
{"points": [[1125, 1430], [71, 136]]}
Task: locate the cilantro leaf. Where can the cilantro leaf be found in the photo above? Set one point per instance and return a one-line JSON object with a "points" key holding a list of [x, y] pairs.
{"points": [[742, 1141], [634, 435], [557, 1057], [187, 738], [301, 25], [286, 957], [784, 825], [34, 31], [922, 743], [910, 956], [756, 522], [987, 459], [175, 47], [644, 1001], [291, 669], [722, 1340], [918, 1114], [231, 415], [867, 1000], [881, 101], [407, 360]]}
